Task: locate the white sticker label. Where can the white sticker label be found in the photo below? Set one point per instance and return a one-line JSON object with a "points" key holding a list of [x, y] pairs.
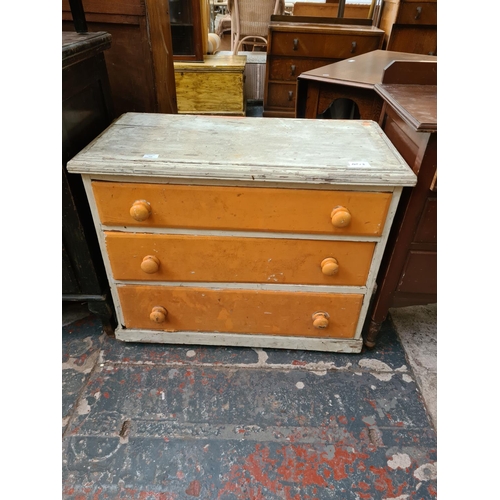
{"points": [[359, 164], [151, 156]]}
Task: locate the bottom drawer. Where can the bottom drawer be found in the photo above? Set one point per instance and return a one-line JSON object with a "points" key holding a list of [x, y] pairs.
{"points": [[240, 311]]}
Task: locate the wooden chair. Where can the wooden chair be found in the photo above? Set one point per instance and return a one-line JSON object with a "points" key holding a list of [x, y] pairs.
{"points": [[250, 21]]}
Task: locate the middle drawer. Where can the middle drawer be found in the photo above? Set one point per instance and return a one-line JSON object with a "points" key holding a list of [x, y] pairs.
{"points": [[194, 258]]}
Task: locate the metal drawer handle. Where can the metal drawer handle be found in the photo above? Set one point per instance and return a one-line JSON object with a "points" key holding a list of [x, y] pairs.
{"points": [[293, 69], [295, 43], [290, 95], [353, 47], [419, 11]]}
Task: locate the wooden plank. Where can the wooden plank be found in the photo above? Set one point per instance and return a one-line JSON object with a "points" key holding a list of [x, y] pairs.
{"points": [[236, 259], [289, 150], [239, 340], [240, 311]]}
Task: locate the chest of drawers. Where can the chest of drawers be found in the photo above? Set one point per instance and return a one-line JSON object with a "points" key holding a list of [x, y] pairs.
{"points": [[294, 48], [242, 231]]}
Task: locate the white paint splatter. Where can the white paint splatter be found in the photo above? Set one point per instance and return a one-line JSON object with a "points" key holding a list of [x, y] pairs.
{"points": [[375, 364], [262, 355], [373, 387], [299, 385], [400, 497], [83, 407], [399, 461], [191, 353], [384, 377], [320, 373], [426, 472], [402, 368], [407, 378]]}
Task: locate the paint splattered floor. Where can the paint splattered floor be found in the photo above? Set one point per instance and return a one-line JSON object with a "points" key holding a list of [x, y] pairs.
{"points": [[170, 422]]}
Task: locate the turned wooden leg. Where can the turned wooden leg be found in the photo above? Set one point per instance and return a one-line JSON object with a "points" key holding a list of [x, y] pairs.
{"points": [[370, 338]]}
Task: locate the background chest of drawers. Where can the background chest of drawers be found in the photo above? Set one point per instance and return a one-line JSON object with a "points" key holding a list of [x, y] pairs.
{"points": [[294, 48], [208, 239], [410, 26]]}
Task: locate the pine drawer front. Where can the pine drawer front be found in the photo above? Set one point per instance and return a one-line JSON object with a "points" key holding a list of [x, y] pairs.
{"points": [[194, 258], [417, 13], [287, 70], [261, 312], [241, 208], [238, 231], [323, 45]]}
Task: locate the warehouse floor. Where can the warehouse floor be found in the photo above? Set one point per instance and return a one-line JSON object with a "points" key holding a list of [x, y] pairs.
{"points": [[144, 421]]}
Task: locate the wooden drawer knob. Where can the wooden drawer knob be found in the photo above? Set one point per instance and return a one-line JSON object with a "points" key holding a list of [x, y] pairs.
{"points": [[150, 264], [320, 319], [140, 210], [158, 314], [341, 217], [329, 266]]}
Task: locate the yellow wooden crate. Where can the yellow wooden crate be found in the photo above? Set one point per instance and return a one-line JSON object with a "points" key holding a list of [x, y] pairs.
{"points": [[215, 86]]}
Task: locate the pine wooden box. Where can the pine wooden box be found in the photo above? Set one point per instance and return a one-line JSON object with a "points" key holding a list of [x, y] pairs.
{"points": [[208, 239], [215, 86]]}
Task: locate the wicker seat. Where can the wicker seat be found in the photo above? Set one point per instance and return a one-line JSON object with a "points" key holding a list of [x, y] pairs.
{"points": [[250, 21]]}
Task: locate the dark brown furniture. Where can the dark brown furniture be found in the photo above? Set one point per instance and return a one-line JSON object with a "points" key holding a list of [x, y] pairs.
{"points": [[189, 21], [353, 79], [139, 62], [86, 111], [295, 47], [410, 26], [408, 274]]}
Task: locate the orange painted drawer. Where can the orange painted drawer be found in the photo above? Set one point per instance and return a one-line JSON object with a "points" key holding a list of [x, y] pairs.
{"points": [[231, 259], [417, 13], [241, 208], [240, 311]]}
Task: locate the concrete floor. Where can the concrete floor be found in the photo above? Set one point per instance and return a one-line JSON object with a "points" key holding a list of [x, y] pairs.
{"points": [[143, 421]]}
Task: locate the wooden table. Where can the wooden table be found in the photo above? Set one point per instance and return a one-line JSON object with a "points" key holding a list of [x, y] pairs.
{"points": [[352, 79], [209, 237], [408, 273]]}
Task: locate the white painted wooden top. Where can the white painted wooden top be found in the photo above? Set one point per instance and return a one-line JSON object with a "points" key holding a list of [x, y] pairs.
{"points": [[288, 150]]}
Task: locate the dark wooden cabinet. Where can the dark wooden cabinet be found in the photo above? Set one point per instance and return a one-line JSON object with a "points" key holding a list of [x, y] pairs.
{"points": [[86, 111], [189, 21], [139, 62], [410, 26], [295, 47], [408, 273]]}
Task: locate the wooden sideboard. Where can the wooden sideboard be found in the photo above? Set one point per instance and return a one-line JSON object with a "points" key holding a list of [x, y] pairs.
{"points": [[139, 62], [296, 47], [353, 79], [410, 26], [87, 109], [212, 238], [408, 273]]}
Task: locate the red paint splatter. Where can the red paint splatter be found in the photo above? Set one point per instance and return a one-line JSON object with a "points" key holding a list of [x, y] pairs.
{"points": [[296, 362], [342, 419], [180, 474], [194, 488], [106, 395], [432, 490]]}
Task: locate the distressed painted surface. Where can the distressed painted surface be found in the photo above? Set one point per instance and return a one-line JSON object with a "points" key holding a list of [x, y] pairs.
{"points": [[168, 422]]}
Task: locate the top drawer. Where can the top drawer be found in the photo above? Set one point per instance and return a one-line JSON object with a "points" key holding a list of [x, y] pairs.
{"points": [[240, 208], [417, 13], [319, 45]]}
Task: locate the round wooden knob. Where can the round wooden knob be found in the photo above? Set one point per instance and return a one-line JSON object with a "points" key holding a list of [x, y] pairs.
{"points": [[158, 314], [320, 319], [140, 210], [329, 266], [150, 264], [341, 217]]}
